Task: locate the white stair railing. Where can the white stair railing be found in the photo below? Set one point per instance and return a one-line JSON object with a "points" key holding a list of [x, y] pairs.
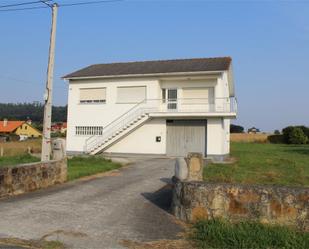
{"points": [[118, 125]]}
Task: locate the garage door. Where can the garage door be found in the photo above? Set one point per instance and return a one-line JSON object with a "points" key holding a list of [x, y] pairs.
{"points": [[184, 136]]}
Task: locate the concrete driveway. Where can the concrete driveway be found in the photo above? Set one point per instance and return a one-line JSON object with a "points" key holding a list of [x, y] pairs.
{"points": [[130, 204]]}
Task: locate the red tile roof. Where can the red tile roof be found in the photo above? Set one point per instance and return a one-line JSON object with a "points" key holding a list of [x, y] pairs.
{"points": [[11, 126]]}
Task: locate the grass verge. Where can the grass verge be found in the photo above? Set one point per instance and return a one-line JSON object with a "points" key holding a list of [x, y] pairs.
{"points": [[77, 166], [85, 166], [257, 163], [243, 235], [13, 160]]}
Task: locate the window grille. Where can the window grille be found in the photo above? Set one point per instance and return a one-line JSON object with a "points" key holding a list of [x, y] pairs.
{"points": [[88, 130]]}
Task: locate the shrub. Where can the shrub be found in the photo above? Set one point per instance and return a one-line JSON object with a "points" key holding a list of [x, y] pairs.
{"points": [[236, 129], [297, 136], [287, 134], [276, 139], [305, 130]]}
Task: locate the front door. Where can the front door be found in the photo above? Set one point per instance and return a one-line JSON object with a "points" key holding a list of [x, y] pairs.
{"points": [[172, 99]]}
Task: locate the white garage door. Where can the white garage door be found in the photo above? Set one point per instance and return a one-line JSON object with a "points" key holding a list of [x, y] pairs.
{"points": [[184, 136]]}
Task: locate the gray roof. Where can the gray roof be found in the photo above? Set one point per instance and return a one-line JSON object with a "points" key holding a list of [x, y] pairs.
{"points": [[153, 67]]}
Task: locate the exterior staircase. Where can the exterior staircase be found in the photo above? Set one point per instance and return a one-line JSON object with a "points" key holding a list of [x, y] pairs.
{"points": [[117, 129], [143, 111]]}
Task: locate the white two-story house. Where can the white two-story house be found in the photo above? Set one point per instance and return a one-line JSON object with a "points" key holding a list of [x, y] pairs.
{"points": [[160, 108]]}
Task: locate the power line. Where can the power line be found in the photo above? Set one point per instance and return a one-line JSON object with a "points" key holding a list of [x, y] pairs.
{"points": [[19, 4], [30, 8], [92, 2], [59, 5]]}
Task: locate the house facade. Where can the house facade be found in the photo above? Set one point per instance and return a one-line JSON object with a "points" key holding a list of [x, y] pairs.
{"points": [[23, 129], [166, 108]]}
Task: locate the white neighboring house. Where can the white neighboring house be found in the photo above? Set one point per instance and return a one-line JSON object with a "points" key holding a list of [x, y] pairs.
{"points": [[168, 107]]}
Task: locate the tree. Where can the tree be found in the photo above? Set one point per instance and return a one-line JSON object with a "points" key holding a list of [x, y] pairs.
{"points": [[297, 136], [236, 129], [277, 132], [288, 130], [33, 111]]}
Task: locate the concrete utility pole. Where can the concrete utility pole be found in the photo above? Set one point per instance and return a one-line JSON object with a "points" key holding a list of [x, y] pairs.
{"points": [[46, 141]]}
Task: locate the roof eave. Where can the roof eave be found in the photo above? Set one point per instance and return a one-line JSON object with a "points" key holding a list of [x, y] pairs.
{"points": [[144, 75]]}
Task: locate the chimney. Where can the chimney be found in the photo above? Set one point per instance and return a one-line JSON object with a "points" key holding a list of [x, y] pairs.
{"points": [[5, 122]]}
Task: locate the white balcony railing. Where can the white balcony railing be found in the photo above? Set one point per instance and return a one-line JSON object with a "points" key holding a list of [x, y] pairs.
{"points": [[203, 105]]}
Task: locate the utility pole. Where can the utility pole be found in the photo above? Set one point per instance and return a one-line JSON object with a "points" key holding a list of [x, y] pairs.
{"points": [[46, 141]]}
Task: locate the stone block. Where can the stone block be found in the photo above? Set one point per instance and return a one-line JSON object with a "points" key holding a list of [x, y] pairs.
{"points": [[195, 167]]}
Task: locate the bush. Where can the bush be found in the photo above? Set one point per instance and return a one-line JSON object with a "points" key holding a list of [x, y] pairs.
{"points": [[286, 133], [276, 139], [236, 129], [297, 136], [305, 130], [301, 131]]}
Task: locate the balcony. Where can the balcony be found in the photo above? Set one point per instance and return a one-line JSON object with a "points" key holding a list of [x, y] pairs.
{"points": [[189, 107]]}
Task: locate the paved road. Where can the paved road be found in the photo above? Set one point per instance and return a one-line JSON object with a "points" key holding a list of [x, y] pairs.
{"points": [[97, 213]]}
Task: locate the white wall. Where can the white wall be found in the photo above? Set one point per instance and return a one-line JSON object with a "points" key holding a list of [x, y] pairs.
{"points": [[143, 140], [218, 136], [100, 114]]}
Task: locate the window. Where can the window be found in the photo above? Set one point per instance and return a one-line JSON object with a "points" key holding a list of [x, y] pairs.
{"points": [[131, 94], [88, 130], [92, 95]]}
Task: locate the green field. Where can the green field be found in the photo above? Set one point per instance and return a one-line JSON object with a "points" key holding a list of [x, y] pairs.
{"points": [[243, 235], [262, 163], [77, 166]]}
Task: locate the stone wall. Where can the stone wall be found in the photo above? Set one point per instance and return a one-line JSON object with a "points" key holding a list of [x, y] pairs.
{"points": [[267, 204], [23, 178]]}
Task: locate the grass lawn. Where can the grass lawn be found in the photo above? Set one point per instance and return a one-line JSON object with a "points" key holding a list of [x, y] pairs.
{"points": [[243, 235], [77, 166], [13, 160], [262, 163], [85, 166]]}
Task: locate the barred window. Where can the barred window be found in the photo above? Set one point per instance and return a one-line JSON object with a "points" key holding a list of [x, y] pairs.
{"points": [[88, 130]]}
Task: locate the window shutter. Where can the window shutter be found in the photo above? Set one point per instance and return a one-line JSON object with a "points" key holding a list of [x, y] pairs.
{"points": [[133, 94], [92, 94], [198, 95]]}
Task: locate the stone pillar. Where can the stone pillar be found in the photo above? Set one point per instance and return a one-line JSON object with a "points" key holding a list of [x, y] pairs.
{"points": [[181, 169], [59, 149], [195, 164]]}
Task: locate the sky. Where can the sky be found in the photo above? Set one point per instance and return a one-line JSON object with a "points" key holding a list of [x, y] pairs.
{"points": [[268, 41]]}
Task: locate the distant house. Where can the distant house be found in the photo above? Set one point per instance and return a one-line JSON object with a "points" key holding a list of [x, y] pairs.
{"points": [[59, 127], [21, 128], [253, 130]]}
